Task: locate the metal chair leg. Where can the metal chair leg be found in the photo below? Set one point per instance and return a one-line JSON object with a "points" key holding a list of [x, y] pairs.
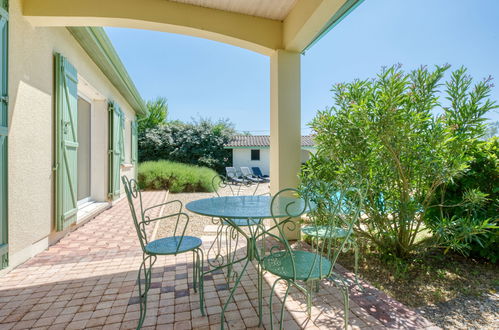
{"points": [[228, 247], [199, 270], [260, 294], [340, 283], [145, 268], [195, 272], [231, 294], [288, 285], [346, 305]]}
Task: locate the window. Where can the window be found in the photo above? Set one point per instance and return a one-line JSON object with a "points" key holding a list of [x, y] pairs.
{"points": [[255, 154]]}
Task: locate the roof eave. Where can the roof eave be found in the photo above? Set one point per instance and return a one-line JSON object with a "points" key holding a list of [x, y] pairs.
{"points": [[261, 147], [98, 46]]}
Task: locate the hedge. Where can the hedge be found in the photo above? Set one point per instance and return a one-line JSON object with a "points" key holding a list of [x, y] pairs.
{"points": [[176, 177], [200, 143]]}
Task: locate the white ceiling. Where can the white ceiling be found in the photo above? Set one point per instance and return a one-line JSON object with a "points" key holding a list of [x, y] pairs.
{"points": [[273, 9]]}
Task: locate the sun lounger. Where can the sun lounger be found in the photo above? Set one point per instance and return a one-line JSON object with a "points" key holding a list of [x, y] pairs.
{"points": [[233, 177]]}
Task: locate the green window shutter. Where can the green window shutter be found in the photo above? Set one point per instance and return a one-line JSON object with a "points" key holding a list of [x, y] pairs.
{"points": [[135, 149], [122, 137], [66, 142], [115, 150], [4, 109]]}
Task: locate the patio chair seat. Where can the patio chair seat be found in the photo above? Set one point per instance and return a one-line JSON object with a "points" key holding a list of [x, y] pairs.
{"points": [[168, 245], [307, 264], [325, 231], [243, 222]]}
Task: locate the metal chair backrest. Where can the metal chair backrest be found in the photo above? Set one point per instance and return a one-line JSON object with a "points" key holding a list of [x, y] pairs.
{"points": [[221, 182], [338, 208], [134, 196], [327, 206], [141, 218]]}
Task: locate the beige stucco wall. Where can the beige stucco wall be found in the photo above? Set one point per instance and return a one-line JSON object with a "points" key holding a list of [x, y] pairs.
{"points": [[31, 111]]}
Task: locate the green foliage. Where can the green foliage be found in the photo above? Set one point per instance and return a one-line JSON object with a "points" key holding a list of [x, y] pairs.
{"points": [[470, 204], [158, 111], [176, 177], [198, 143], [385, 131]]}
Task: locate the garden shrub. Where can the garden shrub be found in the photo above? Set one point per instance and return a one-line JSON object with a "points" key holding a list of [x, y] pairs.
{"points": [[176, 177], [471, 199], [199, 143], [394, 133]]}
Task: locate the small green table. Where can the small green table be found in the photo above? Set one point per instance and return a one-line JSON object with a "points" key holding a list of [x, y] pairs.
{"points": [[246, 207], [232, 209]]}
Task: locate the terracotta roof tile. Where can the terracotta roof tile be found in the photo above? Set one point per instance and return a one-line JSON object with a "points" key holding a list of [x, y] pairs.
{"points": [[262, 141]]}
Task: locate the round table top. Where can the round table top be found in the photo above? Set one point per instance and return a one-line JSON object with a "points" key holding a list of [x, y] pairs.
{"points": [[248, 207]]}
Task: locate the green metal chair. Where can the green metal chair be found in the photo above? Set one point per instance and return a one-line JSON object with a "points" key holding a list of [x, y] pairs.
{"points": [[304, 268], [176, 244], [215, 255], [318, 232]]}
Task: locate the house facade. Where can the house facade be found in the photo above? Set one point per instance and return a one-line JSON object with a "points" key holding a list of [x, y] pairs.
{"points": [[67, 131], [254, 150]]}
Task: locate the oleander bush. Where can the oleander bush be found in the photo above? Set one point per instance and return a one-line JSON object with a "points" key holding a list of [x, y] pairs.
{"points": [[175, 177], [470, 200], [406, 135]]}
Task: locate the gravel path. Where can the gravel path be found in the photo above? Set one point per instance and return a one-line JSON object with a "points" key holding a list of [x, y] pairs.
{"points": [[466, 312]]}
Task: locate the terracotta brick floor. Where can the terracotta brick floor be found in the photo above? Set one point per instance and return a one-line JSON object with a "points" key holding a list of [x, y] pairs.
{"points": [[88, 280]]}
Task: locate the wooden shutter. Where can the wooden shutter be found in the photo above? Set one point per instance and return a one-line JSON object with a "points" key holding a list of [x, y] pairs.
{"points": [[4, 109], [135, 141], [66, 148], [115, 149], [122, 137]]}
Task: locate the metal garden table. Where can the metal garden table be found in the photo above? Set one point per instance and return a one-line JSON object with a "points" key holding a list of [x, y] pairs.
{"points": [[232, 209]]}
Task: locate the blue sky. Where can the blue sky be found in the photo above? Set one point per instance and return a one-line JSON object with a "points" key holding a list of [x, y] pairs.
{"points": [[210, 79]]}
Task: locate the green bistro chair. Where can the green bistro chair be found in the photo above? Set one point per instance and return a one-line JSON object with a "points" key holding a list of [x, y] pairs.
{"points": [[216, 256], [319, 233], [302, 268], [176, 244]]}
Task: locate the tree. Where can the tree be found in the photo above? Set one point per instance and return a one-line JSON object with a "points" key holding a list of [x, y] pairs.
{"points": [[158, 111], [385, 131], [200, 143]]}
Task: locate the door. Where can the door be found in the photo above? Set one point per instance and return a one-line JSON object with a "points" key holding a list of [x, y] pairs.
{"points": [[4, 109], [66, 142], [84, 151]]}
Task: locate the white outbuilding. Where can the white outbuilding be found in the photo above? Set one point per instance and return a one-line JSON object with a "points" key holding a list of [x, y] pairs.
{"points": [[254, 151]]}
